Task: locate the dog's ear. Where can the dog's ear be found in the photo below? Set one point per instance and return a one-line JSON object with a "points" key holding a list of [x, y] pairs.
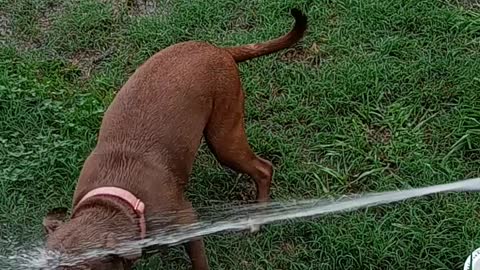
{"points": [[54, 218]]}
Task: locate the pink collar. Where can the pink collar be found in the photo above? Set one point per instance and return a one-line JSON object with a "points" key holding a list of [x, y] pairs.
{"points": [[137, 205]]}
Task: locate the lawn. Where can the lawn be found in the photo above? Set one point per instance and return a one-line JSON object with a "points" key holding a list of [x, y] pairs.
{"points": [[380, 95]]}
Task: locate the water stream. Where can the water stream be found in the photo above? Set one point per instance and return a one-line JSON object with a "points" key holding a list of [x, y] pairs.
{"points": [[234, 218]]}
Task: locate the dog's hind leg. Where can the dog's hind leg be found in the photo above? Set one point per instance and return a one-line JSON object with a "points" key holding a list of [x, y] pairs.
{"points": [[225, 136]]}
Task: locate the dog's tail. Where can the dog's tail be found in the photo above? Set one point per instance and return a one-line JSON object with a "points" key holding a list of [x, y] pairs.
{"points": [[246, 52]]}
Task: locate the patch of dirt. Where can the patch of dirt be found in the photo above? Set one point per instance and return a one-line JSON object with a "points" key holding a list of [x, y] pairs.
{"points": [[276, 91], [145, 7], [312, 55], [378, 212], [471, 155], [52, 11], [390, 165], [354, 185], [245, 190], [136, 8], [333, 20], [45, 19], [8, 36], [86, 61], [469, 4], [379, 135], [5, 28], [288, 248]]}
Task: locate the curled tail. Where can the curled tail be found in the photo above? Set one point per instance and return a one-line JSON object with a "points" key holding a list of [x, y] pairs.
{"points": [[246, 52]]}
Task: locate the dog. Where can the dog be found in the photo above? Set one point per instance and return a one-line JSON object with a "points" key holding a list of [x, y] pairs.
{"points": [[147, 143]]}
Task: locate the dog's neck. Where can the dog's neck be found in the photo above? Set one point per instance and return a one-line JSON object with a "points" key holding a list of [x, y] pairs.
{"points": [[95, 222], [102, 206], [102, 223], [122, 195], [99, 222]]}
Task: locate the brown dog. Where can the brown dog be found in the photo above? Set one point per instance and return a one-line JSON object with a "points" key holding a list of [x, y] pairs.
{"points": [[148, 141]]}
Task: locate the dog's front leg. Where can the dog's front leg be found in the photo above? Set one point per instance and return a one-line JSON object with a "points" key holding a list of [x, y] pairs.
{"points": [[196, 252]]}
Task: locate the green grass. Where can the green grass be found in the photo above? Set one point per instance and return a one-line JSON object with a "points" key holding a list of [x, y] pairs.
{"points": [[380, 95]]}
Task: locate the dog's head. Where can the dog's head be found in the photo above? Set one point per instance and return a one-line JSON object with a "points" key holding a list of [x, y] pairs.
{"points": [[86, 233]]}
